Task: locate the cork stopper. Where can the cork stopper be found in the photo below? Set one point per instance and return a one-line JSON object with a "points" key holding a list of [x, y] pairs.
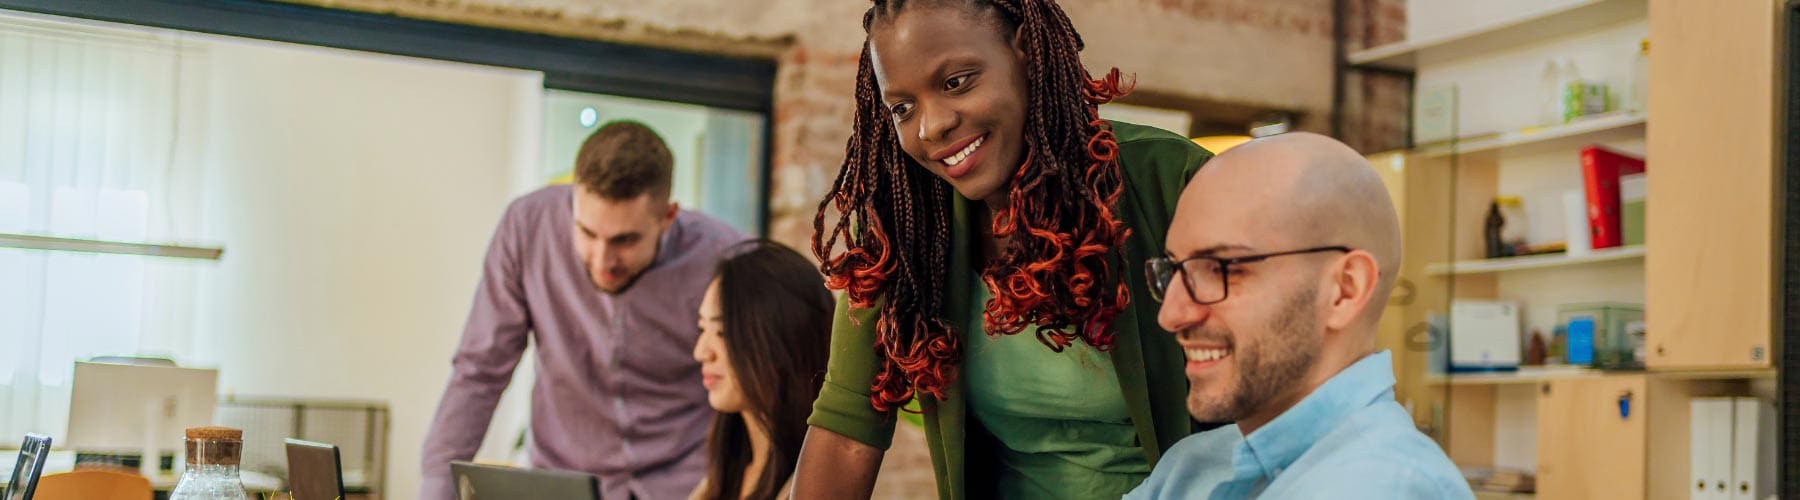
{"points": [[214, 446], [215, 433]]}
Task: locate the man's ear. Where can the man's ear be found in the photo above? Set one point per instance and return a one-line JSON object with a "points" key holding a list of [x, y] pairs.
{"points": [[669, 217], [1354, 278]]}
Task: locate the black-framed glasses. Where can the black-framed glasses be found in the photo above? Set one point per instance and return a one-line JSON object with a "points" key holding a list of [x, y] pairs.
{"points": [[1207, 277]]}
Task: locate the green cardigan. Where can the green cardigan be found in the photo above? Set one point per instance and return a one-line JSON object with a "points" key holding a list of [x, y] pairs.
{"points": [[1157, 165]]}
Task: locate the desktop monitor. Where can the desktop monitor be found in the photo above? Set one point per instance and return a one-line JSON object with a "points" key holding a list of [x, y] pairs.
{"points": [[129, 409]]}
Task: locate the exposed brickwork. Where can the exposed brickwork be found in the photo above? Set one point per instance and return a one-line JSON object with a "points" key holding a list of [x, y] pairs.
{"points": [[1312, 18], [1375, 105], [812, 123]]}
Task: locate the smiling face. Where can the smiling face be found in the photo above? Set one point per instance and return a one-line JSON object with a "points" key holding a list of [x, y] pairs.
{"points": [[1249, 351], [954, 85], [1252, 352]]}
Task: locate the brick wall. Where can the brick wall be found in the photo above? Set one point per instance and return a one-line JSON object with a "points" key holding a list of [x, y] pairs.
{"points": [[1375, 105]]}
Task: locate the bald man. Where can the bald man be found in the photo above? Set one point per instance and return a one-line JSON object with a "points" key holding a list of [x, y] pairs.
{"points": [[1279, 262]]}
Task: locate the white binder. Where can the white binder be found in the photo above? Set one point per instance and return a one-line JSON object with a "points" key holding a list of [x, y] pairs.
{"points": [[1710, 426], [1721, 447], [1753, 449], [1699, 443]]}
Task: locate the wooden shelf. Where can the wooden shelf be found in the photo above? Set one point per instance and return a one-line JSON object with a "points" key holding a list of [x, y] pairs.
{"points": [[1575, 134], [1525, 375], [1578, 17], [1733, 374], [1535, 374], [1488, 266], [59, 244]]}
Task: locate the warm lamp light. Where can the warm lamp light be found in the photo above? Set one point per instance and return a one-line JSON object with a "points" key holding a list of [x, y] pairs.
{"points": [[1219, 143]]}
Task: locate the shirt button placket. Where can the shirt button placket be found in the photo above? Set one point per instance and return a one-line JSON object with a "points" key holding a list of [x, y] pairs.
{"points": [[620, 412], [624, 438]]}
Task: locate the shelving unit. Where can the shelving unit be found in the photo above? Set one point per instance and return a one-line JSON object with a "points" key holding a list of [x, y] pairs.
{"points": [[1525, 375], [1533, 374], [1488, 266], [1709, 333], [1584, 130], [1557, 22]]}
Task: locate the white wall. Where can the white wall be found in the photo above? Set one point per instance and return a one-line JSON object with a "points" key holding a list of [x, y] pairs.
{"points": [[354, 195]]}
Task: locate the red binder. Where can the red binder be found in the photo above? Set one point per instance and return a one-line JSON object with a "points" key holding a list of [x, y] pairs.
{"points": [[1600, 171]]}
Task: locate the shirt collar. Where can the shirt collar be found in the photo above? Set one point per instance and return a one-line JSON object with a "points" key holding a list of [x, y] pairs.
{"points": [[1278, 444]]}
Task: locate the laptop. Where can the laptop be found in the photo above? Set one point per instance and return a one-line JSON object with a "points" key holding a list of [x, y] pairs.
{"points": [[488, 482], [315, 471], [30, 465]]}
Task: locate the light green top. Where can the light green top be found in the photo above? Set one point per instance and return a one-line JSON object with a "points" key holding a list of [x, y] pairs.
{"points": [[1062, 424], [1146, 361]]}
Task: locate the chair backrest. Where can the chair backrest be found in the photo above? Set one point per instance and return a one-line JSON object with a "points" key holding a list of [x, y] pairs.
{"points": [[93, 485], [28, 468]]}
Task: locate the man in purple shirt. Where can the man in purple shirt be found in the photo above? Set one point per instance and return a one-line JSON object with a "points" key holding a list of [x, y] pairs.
{"points": [[605, 276]]}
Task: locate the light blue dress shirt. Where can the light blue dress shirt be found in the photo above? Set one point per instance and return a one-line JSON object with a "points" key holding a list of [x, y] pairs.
{"points": [[1346, 440]]}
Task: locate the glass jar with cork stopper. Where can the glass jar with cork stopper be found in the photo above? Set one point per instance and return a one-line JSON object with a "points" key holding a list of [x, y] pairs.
{"points": [[213, 454]]}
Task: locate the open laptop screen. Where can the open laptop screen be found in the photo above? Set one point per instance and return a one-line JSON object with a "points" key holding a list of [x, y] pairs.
{"points": [[487, 482], [315, 471]]}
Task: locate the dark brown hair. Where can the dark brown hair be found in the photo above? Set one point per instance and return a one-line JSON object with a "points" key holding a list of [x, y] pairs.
{"points": [[893, 215], [776, 316], [624, 160]]}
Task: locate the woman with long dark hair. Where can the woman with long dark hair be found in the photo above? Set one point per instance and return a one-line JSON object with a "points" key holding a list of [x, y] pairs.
{"points": [[765, 327], [988, 228]]}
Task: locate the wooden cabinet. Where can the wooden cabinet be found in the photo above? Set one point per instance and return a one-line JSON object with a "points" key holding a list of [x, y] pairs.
{"points": [[1710, 219], [1587, 448], [1582, 435]]}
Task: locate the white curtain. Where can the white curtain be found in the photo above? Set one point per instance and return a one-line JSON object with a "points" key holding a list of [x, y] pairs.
{"points": [[90, 147]]}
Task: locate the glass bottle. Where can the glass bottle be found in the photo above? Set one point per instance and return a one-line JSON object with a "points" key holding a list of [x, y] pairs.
{"points": [[213, 454], [1640, 78], [1550, 94]]}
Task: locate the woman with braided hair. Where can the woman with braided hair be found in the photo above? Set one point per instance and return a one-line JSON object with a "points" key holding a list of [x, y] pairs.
{"points": [[988, 229]]}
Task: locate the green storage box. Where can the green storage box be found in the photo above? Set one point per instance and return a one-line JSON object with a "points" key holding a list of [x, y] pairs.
{"points": [[1615, 345]]}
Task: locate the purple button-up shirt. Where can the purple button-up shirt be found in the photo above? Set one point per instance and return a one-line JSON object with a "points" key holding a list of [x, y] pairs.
{"points": [[618, 392]]}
